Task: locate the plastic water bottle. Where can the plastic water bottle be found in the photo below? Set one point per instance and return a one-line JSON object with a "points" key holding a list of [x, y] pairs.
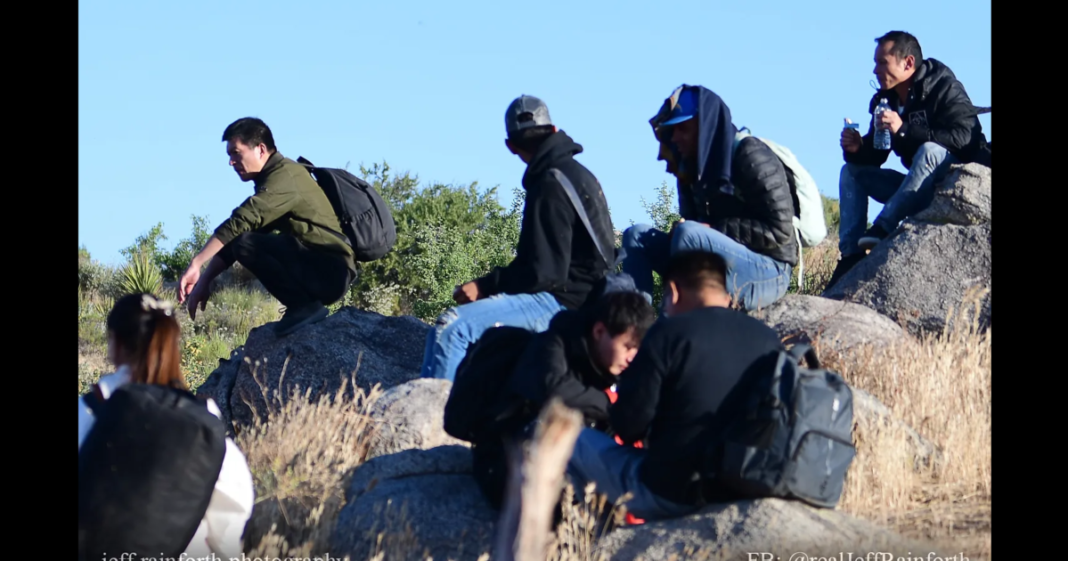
{"points": [[882, 135]]}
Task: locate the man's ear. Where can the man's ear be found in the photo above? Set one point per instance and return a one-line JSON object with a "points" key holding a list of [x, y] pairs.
{"points": [[673, 292], [599, 330]]}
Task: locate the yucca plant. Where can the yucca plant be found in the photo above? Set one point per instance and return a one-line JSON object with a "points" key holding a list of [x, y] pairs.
{"points": [[140, 274]]}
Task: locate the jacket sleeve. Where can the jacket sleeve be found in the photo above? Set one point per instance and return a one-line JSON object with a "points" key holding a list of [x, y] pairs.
{"points": [[271, 201], [952, 125], [543, 254], [868, 155], [638, 389], [764, 214], [543, 372]]}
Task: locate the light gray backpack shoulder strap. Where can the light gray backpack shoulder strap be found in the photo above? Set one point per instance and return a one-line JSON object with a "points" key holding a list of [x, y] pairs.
{"points": [[581, 210]]}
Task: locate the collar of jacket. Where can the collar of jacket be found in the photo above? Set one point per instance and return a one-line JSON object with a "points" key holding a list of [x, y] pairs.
{"points": [[272, 163]]}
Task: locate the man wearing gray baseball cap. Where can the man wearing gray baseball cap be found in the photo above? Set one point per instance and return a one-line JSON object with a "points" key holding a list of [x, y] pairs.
{"points": [[557, 264]]}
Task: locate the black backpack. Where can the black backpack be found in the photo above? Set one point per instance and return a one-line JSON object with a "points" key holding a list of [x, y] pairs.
{"points": [[146, 472], [366, 220], [792, 438], [474, 404]]}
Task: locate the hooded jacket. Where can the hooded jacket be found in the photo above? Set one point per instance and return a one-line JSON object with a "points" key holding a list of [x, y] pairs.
{"points": [[555, 252], [937, 110], [743, 192]]}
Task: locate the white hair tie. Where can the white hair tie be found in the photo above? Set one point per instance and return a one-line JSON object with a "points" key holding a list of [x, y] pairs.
{"points": [[149, 302]]}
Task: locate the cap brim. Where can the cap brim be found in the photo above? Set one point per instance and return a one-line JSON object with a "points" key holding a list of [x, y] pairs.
{"points": [[676, 120]]}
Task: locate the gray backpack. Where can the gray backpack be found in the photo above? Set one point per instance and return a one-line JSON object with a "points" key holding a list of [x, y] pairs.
{"points": [[792, 437]]}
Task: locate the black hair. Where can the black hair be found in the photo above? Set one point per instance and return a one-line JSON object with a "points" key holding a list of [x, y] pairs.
{"points": [[905, 44], [697, 270], [530, 139], [250, 131], [621, 311]]}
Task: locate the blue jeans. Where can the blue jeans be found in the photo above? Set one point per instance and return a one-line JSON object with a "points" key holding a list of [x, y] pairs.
{"points": [[754, 280], [614, 468], [461, 326], [903, 195]]}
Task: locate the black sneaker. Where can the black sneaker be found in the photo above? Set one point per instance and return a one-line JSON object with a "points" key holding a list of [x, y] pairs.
{"points": [[872, 237], [845, 264], [295, 318]]}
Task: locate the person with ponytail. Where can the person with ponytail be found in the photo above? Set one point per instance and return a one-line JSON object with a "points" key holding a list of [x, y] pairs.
{"points": [[143, 344]]}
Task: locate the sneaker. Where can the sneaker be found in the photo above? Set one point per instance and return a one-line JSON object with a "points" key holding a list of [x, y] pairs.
{"points": [[845, 264], [872, 237], [295, 318]]}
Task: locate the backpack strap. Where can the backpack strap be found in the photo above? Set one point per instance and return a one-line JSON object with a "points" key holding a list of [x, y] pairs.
{"points": [[807, 352], [575, 202]]}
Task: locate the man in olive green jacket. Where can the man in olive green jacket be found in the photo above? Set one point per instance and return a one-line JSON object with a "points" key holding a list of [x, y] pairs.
{"points": [[306, 264]]}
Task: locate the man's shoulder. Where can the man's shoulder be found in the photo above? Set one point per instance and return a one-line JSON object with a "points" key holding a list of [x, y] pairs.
{"points": [[725, 320], [288, 175]]}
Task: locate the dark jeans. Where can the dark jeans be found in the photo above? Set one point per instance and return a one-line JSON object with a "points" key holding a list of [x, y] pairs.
{"points": [[293, 273]]}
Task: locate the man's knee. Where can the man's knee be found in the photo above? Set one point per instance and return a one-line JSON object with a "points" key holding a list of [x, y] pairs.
{"points": [[244, 246], [632, 236], [687, 234], [848, 175], [930, 154]]}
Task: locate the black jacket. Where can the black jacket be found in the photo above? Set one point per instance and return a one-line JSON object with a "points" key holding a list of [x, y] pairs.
{"points": [[760, 212], [741, 191], [555, 253], [559, 362], [687, 375], [937, 110]]}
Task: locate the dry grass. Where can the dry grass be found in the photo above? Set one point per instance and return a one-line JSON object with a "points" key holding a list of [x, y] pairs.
{"points": [[941, 386], [302, 457], [819, 262]]}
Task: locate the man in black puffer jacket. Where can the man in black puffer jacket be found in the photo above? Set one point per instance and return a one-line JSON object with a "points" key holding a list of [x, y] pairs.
{"points": [[578, 360], [934, 126], [557, 264], [734, 199]]}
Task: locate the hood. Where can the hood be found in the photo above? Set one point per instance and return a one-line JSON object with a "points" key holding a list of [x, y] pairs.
{"points": [[715, 144], [556, 147]]}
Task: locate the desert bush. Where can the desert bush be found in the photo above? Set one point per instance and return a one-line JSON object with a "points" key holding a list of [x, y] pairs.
{"points": [[140, 274]]}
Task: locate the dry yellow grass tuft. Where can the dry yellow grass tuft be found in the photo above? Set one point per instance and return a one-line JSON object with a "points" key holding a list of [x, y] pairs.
{"points": [[941, 386]]}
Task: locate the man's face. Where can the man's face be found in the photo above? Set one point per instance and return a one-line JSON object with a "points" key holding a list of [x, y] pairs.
{"points": [[247, 161], [614, 353], [684, 136], [890, 70]]}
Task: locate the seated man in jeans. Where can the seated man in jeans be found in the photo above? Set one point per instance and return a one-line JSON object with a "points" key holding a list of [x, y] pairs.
{"points": [[307, 265], [557, 263], [687, 374], [933, 125], [734, 199]]}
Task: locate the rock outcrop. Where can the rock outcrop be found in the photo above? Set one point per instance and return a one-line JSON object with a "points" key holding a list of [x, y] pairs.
{"points": [[350, 344], [934, 263], [828, 323], [409, 416]]}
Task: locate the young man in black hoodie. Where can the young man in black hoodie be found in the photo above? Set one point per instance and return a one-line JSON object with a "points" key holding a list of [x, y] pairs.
{"points": [[933, 125], [578, 360], [692, 370], [557, 263], [734, 199]]}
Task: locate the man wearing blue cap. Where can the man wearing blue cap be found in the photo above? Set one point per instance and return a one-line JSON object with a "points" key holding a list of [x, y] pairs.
{"points": [[734, 200], [557, 262]]}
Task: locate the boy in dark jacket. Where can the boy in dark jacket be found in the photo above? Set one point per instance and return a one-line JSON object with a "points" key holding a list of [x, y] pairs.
{"points": [[734, 199], [557, 262], [933, 125], [578, 360], [688, 375]]}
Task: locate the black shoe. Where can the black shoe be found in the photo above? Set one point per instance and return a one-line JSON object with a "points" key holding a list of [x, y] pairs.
{"points": [[295, 318], [845, 264], [872, 237]]}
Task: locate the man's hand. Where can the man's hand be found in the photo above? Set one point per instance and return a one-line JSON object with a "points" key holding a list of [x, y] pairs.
{"points": [[851, 140], [466, 293], [199, 298], [189, 280], [891, 120]]}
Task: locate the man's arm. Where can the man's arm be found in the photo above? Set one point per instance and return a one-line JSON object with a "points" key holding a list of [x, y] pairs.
{"points": [[270, 202], [766, 215], [543, 254], [952, 125], [638, 389], [543, 372]]}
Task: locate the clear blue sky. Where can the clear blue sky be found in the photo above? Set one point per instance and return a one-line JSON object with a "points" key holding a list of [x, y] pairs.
{"points": [[424, 85]]}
